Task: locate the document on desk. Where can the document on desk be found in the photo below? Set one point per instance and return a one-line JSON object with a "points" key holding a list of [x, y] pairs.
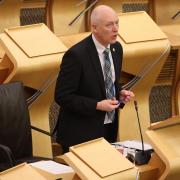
{"points": [[134, 144], [52, 167]]}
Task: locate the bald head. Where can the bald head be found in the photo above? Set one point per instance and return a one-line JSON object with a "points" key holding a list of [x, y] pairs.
{"points": [[100, 13], [104, 24]]}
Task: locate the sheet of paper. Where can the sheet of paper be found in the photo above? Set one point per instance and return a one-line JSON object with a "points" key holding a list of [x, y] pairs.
{"points": [[134, 144], [52, 167]]}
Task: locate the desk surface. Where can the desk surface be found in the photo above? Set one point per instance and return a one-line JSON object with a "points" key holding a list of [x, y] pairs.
{"points": [[173, 34]]}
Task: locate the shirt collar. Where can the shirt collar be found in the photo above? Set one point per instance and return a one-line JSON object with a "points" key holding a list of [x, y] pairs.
{"points": [[100, 48]]}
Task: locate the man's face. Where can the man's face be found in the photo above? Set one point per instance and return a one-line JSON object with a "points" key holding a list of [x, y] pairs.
{"points": [[106, 30]]}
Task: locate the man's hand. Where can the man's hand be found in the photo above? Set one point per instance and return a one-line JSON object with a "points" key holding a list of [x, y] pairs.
{"points": [[126, 96], [107, 105]]}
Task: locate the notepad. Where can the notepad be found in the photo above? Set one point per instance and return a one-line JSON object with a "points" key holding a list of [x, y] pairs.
{"points": [[101, 157], [52, 167]]}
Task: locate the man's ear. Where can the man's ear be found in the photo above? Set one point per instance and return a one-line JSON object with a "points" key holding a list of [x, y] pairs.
{"points": [[93, 28]]}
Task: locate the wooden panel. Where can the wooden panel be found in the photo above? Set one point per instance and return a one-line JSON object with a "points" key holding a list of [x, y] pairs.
{"points": [[61, 13], [9, 14], [38, 73], [33, 3], [117, 5], [93, 154], [163, 11], [143, 60], [165, 138], [6, 67], [1, 53], [167, 73], [97, 159], [33, 43], [173, 34], [133, 31], [22, 171], [86, 173]]}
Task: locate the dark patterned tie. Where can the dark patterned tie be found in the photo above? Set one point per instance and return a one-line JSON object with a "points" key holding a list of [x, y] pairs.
{"points": [[109, 85]]}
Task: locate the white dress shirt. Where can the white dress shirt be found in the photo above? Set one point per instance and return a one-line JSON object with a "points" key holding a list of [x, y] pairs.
{"points": [[100, 49]]}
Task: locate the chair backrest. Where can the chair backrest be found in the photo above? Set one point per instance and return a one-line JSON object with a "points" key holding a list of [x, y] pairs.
{"points": [[15, 131]]}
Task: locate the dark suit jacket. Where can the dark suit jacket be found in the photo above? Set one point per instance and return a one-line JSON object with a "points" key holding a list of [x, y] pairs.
{"points": [[80, 85]]}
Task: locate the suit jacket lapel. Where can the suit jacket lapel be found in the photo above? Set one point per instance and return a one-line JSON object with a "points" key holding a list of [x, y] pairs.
{"points": [[114, 56], [96, 63], [115, 61]]}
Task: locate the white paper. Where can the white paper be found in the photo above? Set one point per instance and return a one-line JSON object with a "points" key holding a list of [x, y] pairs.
{"points": [[134, 144], [52, 167]]}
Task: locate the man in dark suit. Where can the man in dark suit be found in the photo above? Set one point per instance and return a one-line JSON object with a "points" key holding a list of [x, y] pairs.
{"points": [[81, 88]]}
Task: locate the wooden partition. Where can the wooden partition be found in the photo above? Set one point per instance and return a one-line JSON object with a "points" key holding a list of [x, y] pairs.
{"points": [[60, 16], [9, 16], [33, 55], [116, 5], [173, 34], [178, 93], [164, 137], [73, 16], [163, 12], [145, 50], [167, 15], [9, 13]]}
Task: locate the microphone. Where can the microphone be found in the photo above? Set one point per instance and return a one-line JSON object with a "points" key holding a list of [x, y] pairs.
{"points": [[176, 15], [141, 156]]}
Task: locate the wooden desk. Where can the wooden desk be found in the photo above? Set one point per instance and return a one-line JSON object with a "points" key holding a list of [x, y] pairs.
{"points": [[152, 170], [30, 60], [90, 161], [149, 171], [164, 137]]}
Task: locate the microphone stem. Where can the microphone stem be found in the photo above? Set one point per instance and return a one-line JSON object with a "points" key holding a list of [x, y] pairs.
{"points": [[136, 107]]}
